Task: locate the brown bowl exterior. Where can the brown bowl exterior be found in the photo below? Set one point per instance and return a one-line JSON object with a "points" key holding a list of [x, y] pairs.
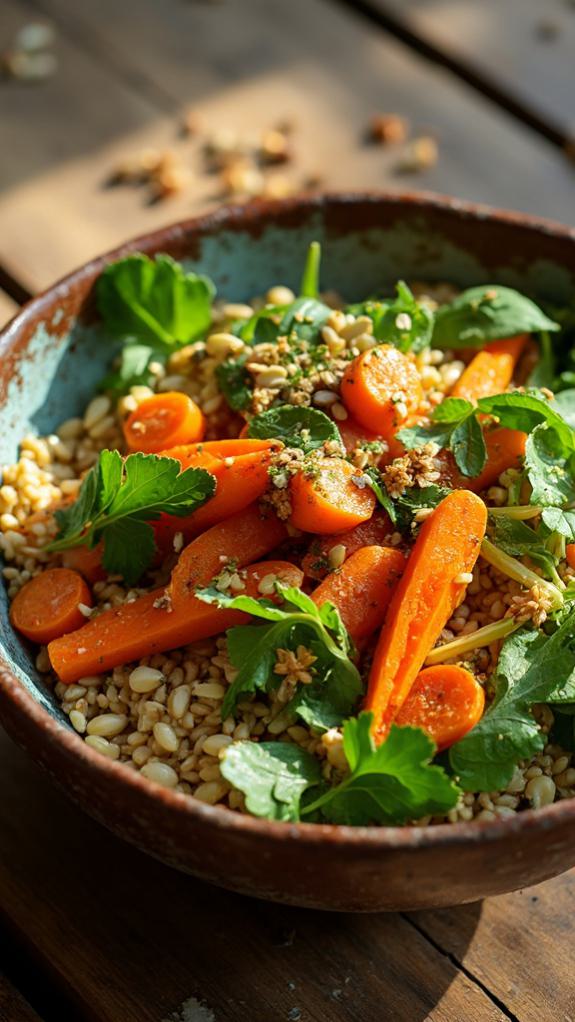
{"points": [[327, 867]]}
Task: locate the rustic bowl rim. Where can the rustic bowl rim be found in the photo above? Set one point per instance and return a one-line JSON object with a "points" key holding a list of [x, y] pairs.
{"points": [[236, 216]]}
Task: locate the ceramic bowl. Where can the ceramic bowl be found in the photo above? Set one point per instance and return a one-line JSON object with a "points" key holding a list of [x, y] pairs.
{"points": [[51, 357]]}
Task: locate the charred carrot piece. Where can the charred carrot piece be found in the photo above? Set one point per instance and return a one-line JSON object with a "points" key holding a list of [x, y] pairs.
{"points": [[49, 605], [446, 701], [362, 589], [149, 625], [430, 589]]}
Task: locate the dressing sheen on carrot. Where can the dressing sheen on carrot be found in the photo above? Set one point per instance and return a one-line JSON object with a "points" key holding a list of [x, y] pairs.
{"points": [[48, 605], [376, 383], [164, 420], [362, 588], [238, 540], [570, 554], [447, 546], [143, 627], [446, 701], [374, 532], [491, 370], [329, 500]]}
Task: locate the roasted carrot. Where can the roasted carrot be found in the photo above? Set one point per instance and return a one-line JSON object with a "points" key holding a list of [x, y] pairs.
{"points": [[87, 561], [148, 626], [362, 588], [570, 554], [381, 388], [430, 589], [329, 500], [48, 605], [353, 434], [505, 450], [164, 420], [376, 531], [240, 468], [446, 702], [491, 370], [240, 539]]}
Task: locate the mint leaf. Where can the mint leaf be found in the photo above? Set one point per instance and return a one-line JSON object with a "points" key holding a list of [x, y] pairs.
{"points": [[453, 410], [297, 622], [304, 318], [154, 300], [119, 497], [532, 668], [550, 467], [487, 313], [524, 410], [272, 775], [309, 287], [388, 784], [468, 446], [454, 427], [306, 428]]}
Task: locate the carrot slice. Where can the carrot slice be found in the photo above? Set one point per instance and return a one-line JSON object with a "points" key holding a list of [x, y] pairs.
{"points": [[377, 384], [505, 450], [491, 370], [353, 433], [570, 554], [188, 454], [164, 420], [330, 500], [47, 606], [240, 539], [447, 547], [144, 627], [374, 532], [362, 588], [446, 701], [87, 561]]}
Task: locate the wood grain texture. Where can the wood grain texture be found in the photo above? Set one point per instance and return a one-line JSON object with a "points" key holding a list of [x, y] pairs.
{"points": [[13, 1007], [129, 939], [524, 47], [241, 65]]}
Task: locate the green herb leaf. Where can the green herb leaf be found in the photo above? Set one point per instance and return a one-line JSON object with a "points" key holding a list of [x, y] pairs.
{"points": [[524, 410], [133, 369], [272, 775], [487, 313], [154, 300], [560, 521], [564, 403], [403, 322], [119, 497], [550, 467], [306, 428], [309, 287], [388, 784], [454, 427], [304, 318], [234, 382], [533, 668], [468, 446], [252, 650], [414, 499], [518, 539]]}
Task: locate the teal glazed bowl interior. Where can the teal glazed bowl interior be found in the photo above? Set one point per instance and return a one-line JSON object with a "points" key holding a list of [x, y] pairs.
{"points": [[52, 356]]}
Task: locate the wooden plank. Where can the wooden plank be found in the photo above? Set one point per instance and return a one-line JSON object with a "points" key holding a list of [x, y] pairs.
{"points": [[521, 47], [133, 940], [13, 1007], [242, 66], [521, 947]]}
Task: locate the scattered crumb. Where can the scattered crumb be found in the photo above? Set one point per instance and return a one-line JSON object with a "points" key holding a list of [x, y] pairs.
{"points": [[192, 1010], [388, 129], [420, 154]]}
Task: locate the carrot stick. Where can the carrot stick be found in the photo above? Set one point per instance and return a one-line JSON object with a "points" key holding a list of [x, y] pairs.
{"points": [[445, 551], [144, 627], [362, 588], [381, 388], [47, 606], [505, 450], [374, 532], [570, 554], [491, 370], [330, 500], [240, 468], [164, 420], [87, 561], [446, 702], [240, 539]]}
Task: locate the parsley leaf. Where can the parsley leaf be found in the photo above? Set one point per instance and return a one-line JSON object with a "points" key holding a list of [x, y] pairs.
{"points": [[154, 300], [117, 500], [487, 313], [532, 668], [390, 783], [272, 775], [336, 687], [307, 428]]}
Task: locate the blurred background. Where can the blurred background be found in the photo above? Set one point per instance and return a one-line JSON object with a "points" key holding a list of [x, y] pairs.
{"points": [[116, 117]]}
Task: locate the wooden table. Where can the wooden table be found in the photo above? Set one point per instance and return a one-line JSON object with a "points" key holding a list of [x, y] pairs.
{"points": [[91, 929]]}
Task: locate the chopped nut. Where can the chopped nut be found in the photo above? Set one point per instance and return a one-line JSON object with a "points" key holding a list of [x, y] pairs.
{"points": [[421, 154]]}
